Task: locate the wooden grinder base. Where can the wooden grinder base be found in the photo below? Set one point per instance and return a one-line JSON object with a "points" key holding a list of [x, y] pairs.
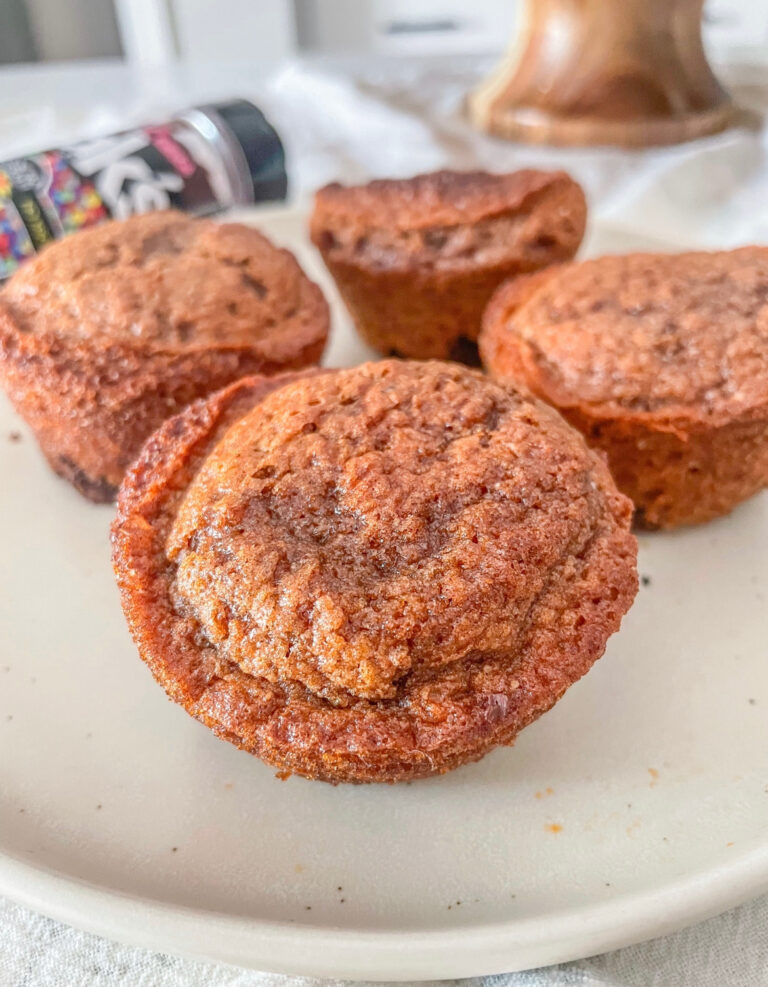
{"points": [[624, 72]]}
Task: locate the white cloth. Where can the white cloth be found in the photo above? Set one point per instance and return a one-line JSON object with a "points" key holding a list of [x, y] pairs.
{"points": [[352, 121], [728, 951]]}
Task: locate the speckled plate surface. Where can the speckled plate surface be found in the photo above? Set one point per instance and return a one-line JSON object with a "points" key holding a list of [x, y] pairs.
{"points": [[638, 805]]}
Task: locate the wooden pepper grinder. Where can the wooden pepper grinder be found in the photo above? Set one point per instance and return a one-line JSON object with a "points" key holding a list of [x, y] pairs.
{"points": [[625, 72]]}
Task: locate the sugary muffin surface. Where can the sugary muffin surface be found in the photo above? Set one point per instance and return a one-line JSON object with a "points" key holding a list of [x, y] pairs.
{"points": [[384, 528], [646, 332], [165, 280], [371, 574]]}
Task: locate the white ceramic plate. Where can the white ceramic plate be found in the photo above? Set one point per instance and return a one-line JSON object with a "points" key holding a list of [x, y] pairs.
{"points": [[639, 804]]}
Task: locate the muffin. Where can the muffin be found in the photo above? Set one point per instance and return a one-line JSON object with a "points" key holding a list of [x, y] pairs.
{"points": [[416, 260], [660, 360], [372, 574], [109, 332]]}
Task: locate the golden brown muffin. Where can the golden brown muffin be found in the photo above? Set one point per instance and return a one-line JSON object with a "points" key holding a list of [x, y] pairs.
{"points": [[416, 260], [109, 332], [660, 360], [372, 574]]}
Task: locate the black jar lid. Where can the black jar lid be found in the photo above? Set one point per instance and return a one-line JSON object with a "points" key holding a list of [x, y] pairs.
{"points": [[261, 146]]}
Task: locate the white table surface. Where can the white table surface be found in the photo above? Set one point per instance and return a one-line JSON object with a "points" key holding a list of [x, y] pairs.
{"points": [[709, 193]]}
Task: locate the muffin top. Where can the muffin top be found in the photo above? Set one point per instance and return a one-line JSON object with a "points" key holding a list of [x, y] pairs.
{"points": [[164, 280], [679, 334], [375, 573], [362, 531], [448, 218]]}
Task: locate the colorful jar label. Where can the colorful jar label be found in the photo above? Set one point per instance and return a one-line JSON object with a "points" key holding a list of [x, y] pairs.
{"points": [[49, 195]]}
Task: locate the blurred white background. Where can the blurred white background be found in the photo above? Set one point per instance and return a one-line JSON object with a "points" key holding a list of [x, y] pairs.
{"points": [[268, 30]]}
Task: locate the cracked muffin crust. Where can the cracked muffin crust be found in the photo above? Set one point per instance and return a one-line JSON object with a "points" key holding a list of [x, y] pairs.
{"points": [[660, 360], [372, 574], [109, 332], [416, 260]]}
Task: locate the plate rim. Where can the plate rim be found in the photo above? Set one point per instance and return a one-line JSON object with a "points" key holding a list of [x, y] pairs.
{"points": [[299, 949], [394, 955]]}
